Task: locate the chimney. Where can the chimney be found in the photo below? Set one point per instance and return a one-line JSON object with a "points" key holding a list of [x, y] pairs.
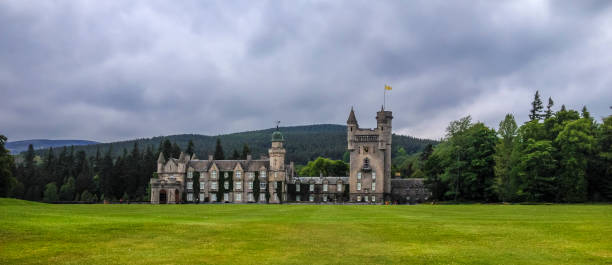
{"points": [[210, 157]]}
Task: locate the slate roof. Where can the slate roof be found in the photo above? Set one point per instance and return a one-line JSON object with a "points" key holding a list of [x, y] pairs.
{"points": [[319, 180], [229, 165]]}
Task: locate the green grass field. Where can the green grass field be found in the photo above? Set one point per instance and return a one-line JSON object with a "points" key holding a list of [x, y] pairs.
{"points": [[36, 233]]}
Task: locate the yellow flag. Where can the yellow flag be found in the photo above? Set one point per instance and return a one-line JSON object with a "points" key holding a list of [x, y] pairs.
{"points": [[387, 87]]}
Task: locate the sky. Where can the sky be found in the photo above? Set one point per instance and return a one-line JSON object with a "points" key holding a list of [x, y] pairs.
{"points": [[118, 70]]}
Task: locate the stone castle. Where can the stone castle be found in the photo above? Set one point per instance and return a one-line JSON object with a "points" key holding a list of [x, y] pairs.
{"points": [[271, 180]]}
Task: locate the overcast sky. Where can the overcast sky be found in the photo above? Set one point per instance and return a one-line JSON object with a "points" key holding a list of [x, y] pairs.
{"points": [[117, 70]]}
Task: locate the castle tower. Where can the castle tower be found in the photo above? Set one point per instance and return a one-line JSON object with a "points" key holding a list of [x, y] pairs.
{"points": [[370, 159], [276, 177]]}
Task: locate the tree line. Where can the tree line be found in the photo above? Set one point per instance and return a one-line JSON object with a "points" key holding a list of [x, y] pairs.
{"points": [[556, 156]]}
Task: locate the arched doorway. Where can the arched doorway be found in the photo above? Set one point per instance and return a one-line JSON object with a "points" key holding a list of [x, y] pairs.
{"points": [[163, 197], [177, 197]]}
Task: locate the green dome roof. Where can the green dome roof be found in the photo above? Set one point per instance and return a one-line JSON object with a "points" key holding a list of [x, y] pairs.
{"points": [[277, 137]]}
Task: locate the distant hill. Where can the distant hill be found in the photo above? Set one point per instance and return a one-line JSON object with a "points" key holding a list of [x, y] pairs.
{"points": [[303, 143], [17, 147]]}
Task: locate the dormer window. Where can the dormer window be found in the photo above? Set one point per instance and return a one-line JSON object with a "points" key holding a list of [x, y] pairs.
{"points": [[366, 162], [213, 175], [238, 174], [262, 173], [189, 174], [225, 174]]}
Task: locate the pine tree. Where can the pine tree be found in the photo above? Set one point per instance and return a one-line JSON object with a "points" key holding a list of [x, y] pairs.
{"points": [[219, 151], [235, 155], [549, 112], [245, 151], [7, 167], [536, 107], [189, 150]]}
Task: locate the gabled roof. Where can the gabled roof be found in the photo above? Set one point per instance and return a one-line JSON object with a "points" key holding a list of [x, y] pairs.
{"points": [[161, 158]]}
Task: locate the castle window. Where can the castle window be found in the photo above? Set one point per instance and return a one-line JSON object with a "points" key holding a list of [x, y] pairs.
{"points": [[213, 197], [365, 198], [201, 197], [262, 197], [374, 175], [238, 197], [311, 198], [226, 185], [226, 197], [324, 198], [251, 175], [297, 187], [298, 198], [275, 184], [214, 185], [189, 185], [275, 174], [373, 186], [250, 185], [358, 175], [239, 185], [325, 187], [225, 174], [202, 185], [250, 197], [263, 173], [238, 174], [189, 197], [189, 174], [213, 175], [262, 185], [373, 198], [358, 185], [311, 187], [366, 163], [339, 187], [358, 198]]}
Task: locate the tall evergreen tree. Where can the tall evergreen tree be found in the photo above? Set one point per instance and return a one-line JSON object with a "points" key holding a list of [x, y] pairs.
{"points": [[235, 155], [219, 155], [190, 150], [245, 151], [549, 111], [536, 107], [7, 168]]}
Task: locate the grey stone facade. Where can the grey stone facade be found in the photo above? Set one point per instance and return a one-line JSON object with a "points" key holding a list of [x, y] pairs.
{"points": [[270, 180]]}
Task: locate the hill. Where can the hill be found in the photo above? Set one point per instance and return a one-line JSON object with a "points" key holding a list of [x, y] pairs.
{"points": [[303, 143], [17, 147]]}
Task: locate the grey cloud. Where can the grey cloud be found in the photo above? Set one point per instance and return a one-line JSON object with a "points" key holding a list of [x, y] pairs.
{"points": [[114, 70]]}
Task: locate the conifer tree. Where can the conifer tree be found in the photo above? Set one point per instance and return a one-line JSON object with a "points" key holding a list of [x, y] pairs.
{"points": [[536, 107], [245, 151], [235, 155], [189, 149], [219, 151], [549, 112]]}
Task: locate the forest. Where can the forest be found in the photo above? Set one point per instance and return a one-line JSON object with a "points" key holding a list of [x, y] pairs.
{"points": [[122, 170], [556, 156]]}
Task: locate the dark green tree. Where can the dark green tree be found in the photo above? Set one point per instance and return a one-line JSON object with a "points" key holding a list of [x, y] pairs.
{"points": [[219, 155], [245, 151], [196, 186], [235, 155], [536, 108], [189, 149], [7, 169], [549, 111]]}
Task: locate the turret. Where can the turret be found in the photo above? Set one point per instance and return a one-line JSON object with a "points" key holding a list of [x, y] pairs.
{"points": [[160, 161], [352, 127]]}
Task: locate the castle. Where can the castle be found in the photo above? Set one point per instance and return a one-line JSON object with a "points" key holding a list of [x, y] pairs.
{"points": [[271, 180]]}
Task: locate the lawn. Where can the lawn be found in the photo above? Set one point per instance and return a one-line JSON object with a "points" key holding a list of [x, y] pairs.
{"points": [[36, 233]]}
